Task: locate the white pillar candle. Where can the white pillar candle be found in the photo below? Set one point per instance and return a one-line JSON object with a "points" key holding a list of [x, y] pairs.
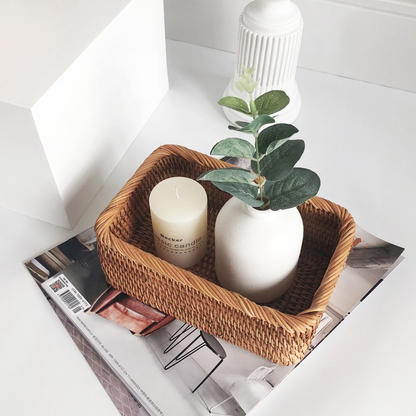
{"points": [[178, 208]]}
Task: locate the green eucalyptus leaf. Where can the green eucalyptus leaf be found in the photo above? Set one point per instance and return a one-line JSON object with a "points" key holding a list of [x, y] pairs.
{"points": [[245, 192], [271, 102], [236, 104], [275, 145], [242, 123], [255, 125], [277, 165], [232, 175], [234, 147], [299, 186], [239, 124], [275, 134]]}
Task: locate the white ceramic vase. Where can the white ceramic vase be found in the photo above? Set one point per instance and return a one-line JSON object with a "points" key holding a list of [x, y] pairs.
{"points": [[269, 39], [256, 252]]}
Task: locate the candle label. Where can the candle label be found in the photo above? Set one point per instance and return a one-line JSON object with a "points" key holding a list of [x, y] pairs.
{"points": [[178, 245]]}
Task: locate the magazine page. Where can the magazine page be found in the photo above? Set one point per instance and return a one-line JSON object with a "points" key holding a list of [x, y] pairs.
{"points": [[369, 262], [160, 360], [139, 359]]}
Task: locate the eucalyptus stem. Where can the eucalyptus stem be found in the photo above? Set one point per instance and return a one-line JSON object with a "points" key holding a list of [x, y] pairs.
{"points": [[260, 184], [253, 107], [272, 181], [254, 112]]}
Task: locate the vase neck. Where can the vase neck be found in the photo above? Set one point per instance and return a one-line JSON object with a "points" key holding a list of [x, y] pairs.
{"points": [[256, 213]]}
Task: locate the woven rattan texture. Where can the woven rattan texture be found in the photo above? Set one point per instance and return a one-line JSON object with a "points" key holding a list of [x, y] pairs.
{"points": [[280, 331]]}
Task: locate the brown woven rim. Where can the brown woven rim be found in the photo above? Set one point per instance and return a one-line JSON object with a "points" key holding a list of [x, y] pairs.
{"points": [[290, 323]]}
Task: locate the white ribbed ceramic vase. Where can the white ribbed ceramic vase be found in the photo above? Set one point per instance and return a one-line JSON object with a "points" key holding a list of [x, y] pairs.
{"points": [[257, 252], [269, 38]]}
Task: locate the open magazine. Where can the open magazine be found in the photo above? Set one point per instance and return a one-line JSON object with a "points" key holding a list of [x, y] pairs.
{"points": [[152, 364]]}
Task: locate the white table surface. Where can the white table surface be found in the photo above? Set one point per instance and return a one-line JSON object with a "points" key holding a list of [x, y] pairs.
{"points": [[360, 139]]}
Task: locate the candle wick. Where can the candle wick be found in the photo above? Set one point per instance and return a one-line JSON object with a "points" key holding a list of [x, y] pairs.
{"points": [[177, 192]]}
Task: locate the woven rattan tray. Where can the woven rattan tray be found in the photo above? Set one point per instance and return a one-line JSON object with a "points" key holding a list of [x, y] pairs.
{"points": [[280, 331]]}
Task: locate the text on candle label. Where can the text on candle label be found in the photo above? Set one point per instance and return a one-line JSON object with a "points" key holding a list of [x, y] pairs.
{"points": [[176, 244]]}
